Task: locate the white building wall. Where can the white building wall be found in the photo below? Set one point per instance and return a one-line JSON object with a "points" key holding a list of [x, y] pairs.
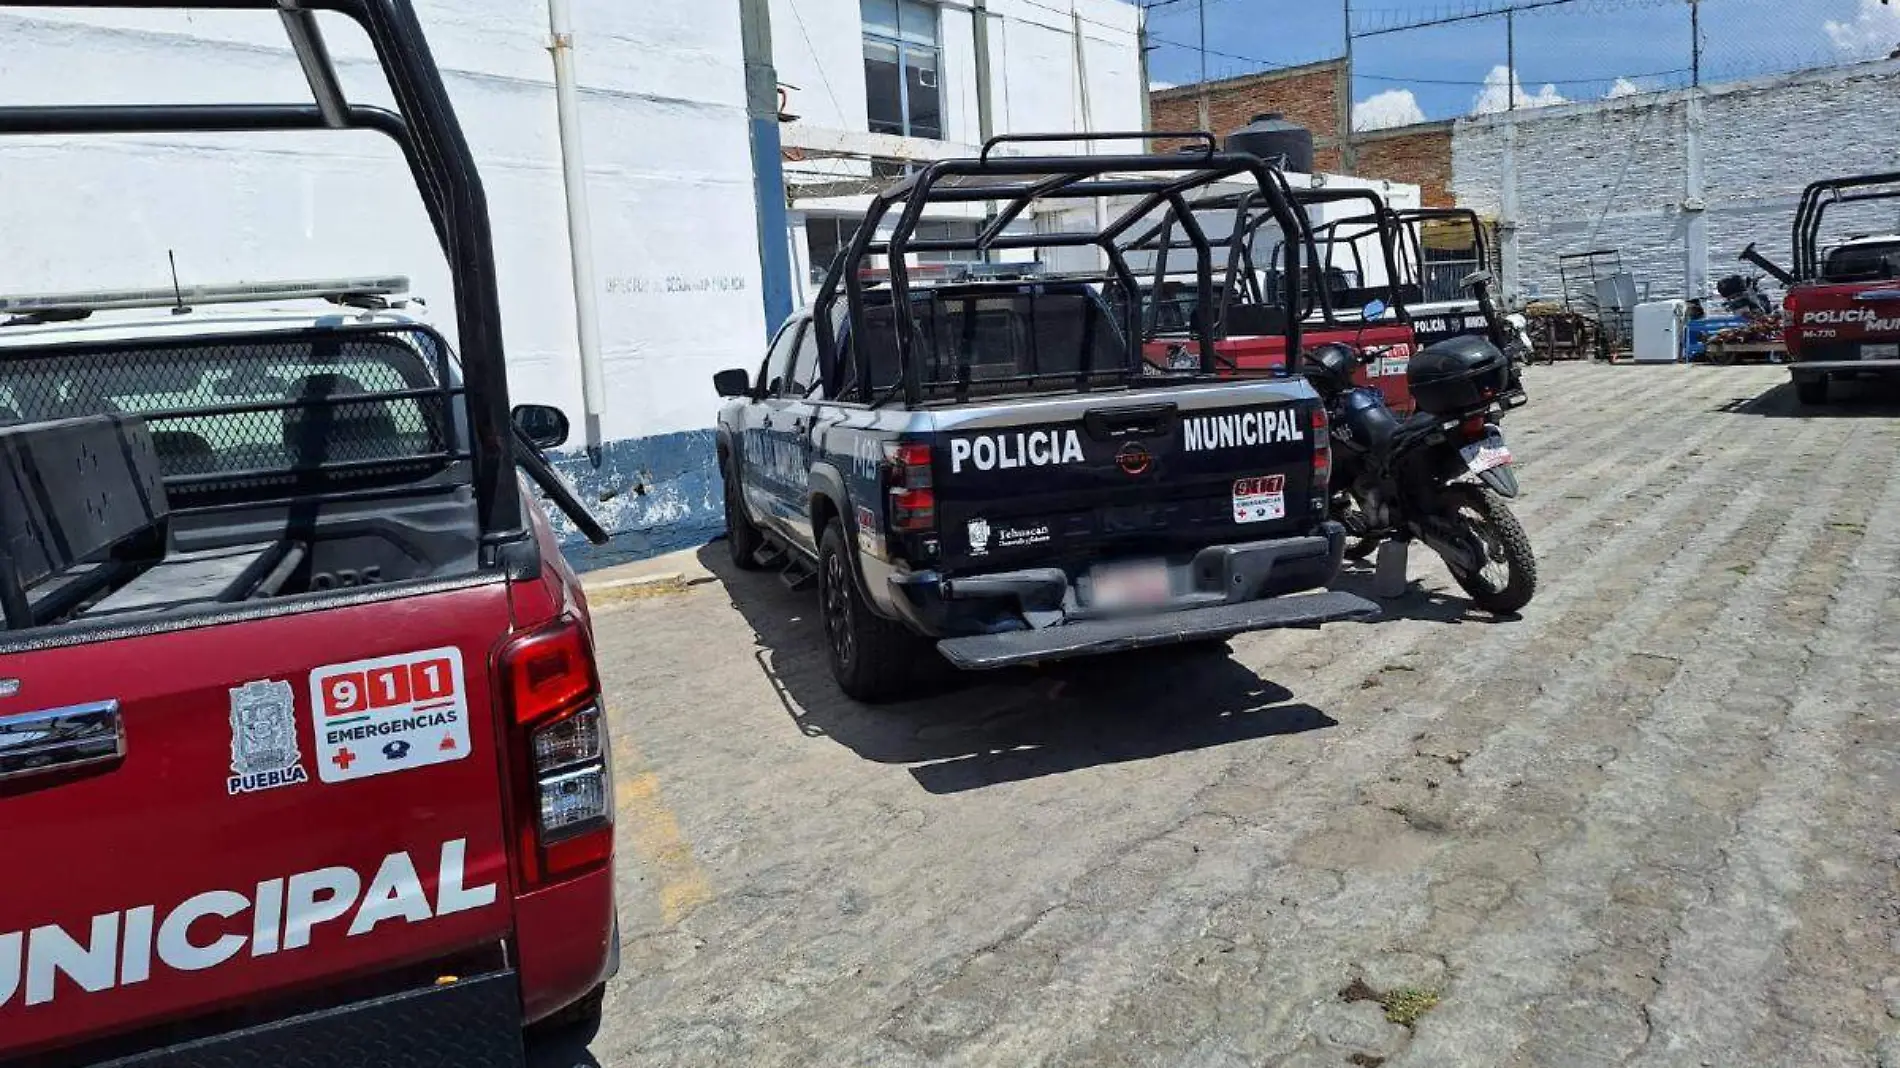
{"points": [[1621, 180], [669, 175]]}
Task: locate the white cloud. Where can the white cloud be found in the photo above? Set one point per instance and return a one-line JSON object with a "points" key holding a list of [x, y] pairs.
{"points": [[1383, 111], [1623, 87], [1873, 31], [1496, 94], [1155, 87]]}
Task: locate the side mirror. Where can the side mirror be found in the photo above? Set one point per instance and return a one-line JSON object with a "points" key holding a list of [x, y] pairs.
{"points": [[542, 424], [1374, 310], [732, 383], [1476, 279]]}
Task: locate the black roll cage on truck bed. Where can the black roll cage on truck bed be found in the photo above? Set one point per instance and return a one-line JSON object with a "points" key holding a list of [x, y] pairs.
{"points": [[425, 128], [1039, 178], [1241, 268]]}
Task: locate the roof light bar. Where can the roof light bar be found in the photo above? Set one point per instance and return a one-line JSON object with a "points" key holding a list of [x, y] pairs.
{"points": [[237, 293]]}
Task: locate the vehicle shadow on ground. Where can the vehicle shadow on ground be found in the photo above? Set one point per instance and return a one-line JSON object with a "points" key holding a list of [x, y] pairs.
{"points": [[984, 729], [561, 1048], [1847, 399]]}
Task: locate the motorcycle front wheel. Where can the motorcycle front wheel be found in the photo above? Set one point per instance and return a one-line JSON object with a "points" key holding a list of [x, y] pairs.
{"points": [[1508, 579]]}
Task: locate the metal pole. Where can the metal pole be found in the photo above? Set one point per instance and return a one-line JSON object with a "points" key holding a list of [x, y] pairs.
{"points": [[1695, 43], [1147, 94], [1206, 123], [1510, 57], [985, 115], [1348, 152], [580, 228], [768, 170]]}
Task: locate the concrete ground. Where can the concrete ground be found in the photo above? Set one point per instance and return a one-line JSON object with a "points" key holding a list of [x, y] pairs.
{"points": [[1655, 821]]}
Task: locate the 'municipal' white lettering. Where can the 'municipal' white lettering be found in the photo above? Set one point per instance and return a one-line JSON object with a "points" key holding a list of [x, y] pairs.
{"points": [[450, 897], [394, 892], [135, 957], [267, 917], [175, 947], [284, 913], [317, 897], [50, 950], [1241, 430]]}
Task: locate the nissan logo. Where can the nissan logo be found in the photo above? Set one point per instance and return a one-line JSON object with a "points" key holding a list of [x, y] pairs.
{"points": [[1134, 458]]}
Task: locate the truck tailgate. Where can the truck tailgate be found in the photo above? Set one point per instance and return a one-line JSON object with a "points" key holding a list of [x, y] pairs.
{"points": [[1089, 473], [300, 799], [1848, 321]]}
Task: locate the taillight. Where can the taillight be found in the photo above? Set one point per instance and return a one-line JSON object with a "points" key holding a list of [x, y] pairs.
{"points": [[913, 500], [562, 761], [1472, 428]]}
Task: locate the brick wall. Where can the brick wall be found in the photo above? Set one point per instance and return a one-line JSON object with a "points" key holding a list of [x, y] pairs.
{"points": [[1415, 155], [1611, 175], [1311, 96], [1308, 95]]}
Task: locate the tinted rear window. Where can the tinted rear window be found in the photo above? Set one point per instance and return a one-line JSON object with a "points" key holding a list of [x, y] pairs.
{"points": [[1868, 262]]}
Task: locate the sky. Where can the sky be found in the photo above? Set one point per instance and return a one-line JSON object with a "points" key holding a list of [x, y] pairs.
{"points": [[1583, 50]]}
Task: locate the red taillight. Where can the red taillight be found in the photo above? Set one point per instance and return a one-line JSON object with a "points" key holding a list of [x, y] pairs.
{"points": [[561, 762], [907, 473], [1472, 428], [1322, 450]]}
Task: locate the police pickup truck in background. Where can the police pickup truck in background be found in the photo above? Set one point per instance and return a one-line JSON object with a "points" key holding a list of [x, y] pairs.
{"points": [[1020, 485]]}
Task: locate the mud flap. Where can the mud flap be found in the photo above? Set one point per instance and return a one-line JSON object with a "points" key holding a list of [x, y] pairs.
{"points": [[1502, 479]]}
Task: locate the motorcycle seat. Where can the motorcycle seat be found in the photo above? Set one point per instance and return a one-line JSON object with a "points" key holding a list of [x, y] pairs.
{"points": [[1379, 427]]}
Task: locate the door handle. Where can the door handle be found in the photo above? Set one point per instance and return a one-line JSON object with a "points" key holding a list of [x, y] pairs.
{"points": [[59, 739]]}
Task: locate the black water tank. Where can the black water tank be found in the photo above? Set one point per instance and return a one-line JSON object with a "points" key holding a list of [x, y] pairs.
{"points": [[1287, 145]]}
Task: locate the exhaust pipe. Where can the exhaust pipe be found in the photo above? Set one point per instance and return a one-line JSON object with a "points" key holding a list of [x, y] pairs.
{"points": [[1750, 255]]}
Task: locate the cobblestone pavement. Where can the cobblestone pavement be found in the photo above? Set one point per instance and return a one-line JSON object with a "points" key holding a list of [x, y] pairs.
{"points": [[1655, 821]]}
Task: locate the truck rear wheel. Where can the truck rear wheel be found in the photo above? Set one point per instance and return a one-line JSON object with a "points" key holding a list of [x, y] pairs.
{"points": [[874, 659], [742, 537], [1811, 389]]}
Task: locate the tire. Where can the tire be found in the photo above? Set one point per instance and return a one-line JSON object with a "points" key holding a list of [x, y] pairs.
{"points": [[1811, 389], [1506, 543], [742, 536], [873, 659]]}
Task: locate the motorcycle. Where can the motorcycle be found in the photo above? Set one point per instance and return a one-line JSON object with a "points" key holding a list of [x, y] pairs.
{"points": [[1443, 475]]}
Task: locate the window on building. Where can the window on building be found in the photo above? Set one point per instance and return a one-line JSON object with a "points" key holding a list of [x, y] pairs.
{"points": [[902, 58], [824, 236]]}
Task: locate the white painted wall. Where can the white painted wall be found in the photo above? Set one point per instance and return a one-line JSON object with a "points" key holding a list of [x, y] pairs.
{"points": [[669, 175], [817, 45], [1623, 181]]}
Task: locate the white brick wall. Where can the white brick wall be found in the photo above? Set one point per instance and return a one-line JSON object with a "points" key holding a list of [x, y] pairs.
{"points": [[1617, 168]]}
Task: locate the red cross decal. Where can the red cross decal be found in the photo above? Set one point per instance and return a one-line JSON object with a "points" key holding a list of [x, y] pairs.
{"points": [[343, 759]]}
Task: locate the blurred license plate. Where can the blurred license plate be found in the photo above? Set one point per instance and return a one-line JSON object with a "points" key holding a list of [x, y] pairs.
{"points": [[1889, 351], [1487, 454], [1126, 585]]}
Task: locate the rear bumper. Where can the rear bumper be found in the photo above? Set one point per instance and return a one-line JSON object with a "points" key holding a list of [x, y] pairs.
{"points": [[567, 939], [1015, 616], [1096, 636], [1887, 367], [473, 1023]]}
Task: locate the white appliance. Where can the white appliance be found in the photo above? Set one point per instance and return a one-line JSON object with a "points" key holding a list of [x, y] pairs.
{"points": [[1660, 327]]}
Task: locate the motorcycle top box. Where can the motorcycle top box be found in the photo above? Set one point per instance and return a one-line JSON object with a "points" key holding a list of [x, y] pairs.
{"points": [[1458, 375]]}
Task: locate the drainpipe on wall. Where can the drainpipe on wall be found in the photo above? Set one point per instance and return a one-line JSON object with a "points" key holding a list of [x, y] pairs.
{"points": [[1507, 216], [1695, 277], [985, 106], [768, 169], [580, 229]]}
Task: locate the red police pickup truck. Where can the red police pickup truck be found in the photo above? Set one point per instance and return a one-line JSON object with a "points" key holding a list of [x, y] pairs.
{"points": [[302, 748]]}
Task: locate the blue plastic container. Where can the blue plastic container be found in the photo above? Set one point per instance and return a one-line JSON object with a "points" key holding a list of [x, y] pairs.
{"points": [[1696, 339]]}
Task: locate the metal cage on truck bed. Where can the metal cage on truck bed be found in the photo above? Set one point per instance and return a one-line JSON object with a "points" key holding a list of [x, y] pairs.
{"points": [[1016, 183], [424, 127], [1817, 199], [1244, 294]]}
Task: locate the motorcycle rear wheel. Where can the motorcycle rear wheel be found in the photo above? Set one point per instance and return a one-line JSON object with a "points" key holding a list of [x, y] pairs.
{"points": [[1509, 578]]}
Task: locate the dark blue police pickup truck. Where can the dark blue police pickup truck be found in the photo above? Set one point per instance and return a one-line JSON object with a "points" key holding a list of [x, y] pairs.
{"points": [[992, 467]]}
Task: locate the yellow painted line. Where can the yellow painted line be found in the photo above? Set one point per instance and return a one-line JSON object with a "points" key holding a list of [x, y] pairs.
{"points": [[655, 835]]}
